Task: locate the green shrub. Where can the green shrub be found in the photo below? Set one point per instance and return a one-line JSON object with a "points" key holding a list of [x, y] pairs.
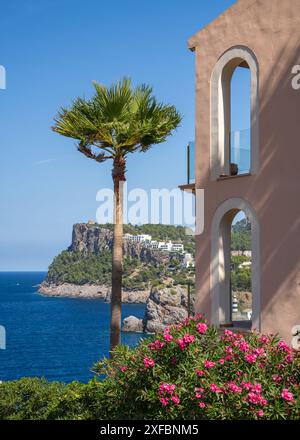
{"points": [[33, 398], [191, 372]]}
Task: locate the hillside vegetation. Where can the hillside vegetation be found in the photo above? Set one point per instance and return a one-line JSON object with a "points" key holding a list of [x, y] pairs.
{"points": [[95, 268]]}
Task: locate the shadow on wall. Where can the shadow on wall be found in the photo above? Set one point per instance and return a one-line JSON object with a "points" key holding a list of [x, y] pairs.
{"points": [[280, 118]]}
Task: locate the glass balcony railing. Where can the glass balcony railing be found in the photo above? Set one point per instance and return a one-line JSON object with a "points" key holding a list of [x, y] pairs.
{"points": [[191, 163], [240, 154], [240, 151]]}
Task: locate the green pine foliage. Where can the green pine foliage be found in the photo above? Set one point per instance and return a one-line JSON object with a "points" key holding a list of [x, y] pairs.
{"points": [[241, 235]]}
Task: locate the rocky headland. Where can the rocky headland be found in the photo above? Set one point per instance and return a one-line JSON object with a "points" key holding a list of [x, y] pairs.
{"points": [[151, 276]]}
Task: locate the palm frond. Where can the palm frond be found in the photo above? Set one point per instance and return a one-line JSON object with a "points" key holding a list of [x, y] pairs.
{"points": [[117, 120]]}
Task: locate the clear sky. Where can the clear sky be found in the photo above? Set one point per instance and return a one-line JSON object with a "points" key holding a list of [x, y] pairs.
{"points": [[52, 50]]}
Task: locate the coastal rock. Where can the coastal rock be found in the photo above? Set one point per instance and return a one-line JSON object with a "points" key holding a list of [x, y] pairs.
{"points": [[91, 291], [165, 307], [88, 291], [131, 296], [132, 324]]}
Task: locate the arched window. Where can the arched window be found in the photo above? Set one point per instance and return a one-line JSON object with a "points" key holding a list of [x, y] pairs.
{"points": [[224, 246], [234, 114], [240, 120]]}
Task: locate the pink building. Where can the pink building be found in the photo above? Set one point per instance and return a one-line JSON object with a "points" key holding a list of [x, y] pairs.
{"points": [[264, 37]]}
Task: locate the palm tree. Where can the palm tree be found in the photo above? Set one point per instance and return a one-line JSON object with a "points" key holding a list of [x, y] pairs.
{"points": [[116, 121]]}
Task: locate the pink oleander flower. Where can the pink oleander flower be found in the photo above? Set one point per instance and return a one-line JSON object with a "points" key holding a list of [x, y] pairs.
{"points": [[201, 328], [185, 341], [246, 385], [257, 388], [221, 361], [228, 349], [250, 358], [168, 337], [175, 399], [287, 395], [283, 346], [181, 343], [209, 364], [123, 368], [243, 346], [215, 389], [264, 340], [228, 357], [289, 358], [229, 333], [260, 413], [200, 373], [234, 388], [164, 401], [256, 399], [188, 339], [202, 405], [148, 362], [166, 388], [259, 351], [156, 345]]}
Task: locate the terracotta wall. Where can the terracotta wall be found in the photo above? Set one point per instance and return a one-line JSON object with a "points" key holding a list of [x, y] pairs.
{"points": [[271, 29]]}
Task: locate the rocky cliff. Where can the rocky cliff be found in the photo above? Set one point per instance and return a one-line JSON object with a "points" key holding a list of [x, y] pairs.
{"points": [[92, 238], [84, 269]]}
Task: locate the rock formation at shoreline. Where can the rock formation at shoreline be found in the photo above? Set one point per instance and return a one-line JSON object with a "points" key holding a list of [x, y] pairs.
{"points": [[133, 324], [91, 291], [163, 307]]}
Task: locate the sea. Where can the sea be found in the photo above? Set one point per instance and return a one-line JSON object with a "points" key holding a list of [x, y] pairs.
{"points": [[55, 338]]}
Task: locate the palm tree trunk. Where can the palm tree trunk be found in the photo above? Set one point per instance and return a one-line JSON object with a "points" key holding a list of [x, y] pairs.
{"points": [[118, 175]]}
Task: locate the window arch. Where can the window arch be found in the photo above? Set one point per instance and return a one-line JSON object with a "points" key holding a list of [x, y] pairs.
{"points": [[221, 140], [220, 262]]}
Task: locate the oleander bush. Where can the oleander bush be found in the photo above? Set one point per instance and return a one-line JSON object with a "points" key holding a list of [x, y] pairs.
{"points": [[192, 372], [188, 372]]}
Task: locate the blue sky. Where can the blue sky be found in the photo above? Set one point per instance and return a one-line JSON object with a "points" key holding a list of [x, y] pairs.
{"points": [[52, 50]]}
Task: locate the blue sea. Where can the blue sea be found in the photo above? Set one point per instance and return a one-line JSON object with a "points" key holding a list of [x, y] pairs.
{"points": [[56, 338]]}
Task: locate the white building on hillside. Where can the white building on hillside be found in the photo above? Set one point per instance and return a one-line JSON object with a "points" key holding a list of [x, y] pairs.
{"points": [[164, 246], [188, 261], [143, 238], [177, 247], [241, 254]]}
